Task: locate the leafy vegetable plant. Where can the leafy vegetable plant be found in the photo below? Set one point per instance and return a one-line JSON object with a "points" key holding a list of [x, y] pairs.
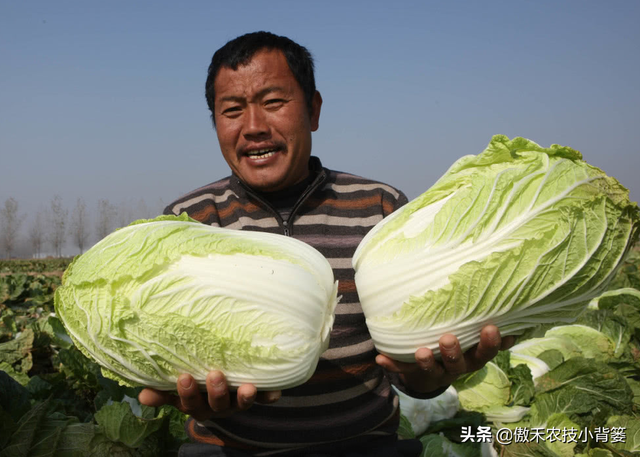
{"points": [[516, 236], [168, 296], [585, 402], [53, 400]]}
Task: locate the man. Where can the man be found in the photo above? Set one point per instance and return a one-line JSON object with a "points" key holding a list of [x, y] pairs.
{"points": [[261, 92]]}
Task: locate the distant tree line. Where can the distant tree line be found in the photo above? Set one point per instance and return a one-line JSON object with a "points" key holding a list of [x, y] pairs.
{"points": [[50, 229]]}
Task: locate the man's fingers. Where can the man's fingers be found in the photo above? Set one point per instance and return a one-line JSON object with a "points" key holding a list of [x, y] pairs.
{"points": [[486, 349], [218, 392], [269, 396], [218, 401], [152, 397], [426, 362], [452, 356], [508, 342], [245, 396], [393, 365], [189, 393]]}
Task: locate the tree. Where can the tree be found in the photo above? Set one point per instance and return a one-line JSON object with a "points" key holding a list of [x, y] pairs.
{"points": [[36, 234], [79, 230], [57, 225], [130, 211], [9, 225], [125, 214], [158, 207], [106, 218], [142, 211]]}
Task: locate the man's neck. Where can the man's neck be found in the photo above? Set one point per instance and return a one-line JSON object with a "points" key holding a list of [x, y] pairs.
{"points": [[284, 200]]}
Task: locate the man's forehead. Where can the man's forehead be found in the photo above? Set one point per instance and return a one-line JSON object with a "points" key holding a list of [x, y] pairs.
{"points": [[272, 54], [260, 72]]}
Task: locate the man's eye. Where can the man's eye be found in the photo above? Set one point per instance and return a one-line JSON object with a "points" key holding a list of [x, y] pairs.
{"points": [[274, 102], [231, 110]]}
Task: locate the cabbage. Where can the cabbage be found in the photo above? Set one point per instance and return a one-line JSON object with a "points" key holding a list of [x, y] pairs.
{"points": [[614, 296], [169, 296], [484, 389], [535, 346], [516, 236], [488, 391], [538, 367], [422, 412], [592, 343], [438, 445]]}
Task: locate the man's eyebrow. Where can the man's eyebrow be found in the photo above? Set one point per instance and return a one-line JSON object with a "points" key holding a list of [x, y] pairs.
{"points": [[232, 98], [268, 90], [261, 94]]}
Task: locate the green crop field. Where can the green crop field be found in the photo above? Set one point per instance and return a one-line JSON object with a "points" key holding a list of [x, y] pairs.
{"points": [[55, 402], [45, 266]]}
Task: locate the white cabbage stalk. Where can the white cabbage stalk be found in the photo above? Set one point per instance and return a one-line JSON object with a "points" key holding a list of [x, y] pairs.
{"points": [[626, 292], [538, 367], [488, 391], [169, 296], [506, 414], [592, 343], [422, 412], [517, 236]]}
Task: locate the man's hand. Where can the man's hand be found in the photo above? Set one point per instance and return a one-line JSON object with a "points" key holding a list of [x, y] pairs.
{"points": [[217, 402], [428, 374]]}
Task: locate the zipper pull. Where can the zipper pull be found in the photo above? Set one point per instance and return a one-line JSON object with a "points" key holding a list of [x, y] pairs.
{"points": [[285, 226]]}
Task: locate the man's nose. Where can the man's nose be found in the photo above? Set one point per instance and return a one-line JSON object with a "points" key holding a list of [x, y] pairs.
{"points": [[255, 122]]}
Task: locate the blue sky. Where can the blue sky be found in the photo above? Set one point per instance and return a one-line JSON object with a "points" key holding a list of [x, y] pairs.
{"points": [[106, 99]]}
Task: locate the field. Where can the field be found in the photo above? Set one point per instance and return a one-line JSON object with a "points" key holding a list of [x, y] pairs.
{"points": [[55, 402]]}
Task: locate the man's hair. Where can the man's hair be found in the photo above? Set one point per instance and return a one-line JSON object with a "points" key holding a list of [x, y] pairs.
{"points": [[241, 50]]}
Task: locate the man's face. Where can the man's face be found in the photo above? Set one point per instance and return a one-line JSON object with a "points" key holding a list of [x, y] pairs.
{"points": [[263, 124]]}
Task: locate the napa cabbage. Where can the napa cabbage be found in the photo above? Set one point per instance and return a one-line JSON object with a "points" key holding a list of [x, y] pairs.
{"points": [[168, 296], [438, 445], [534, 347], [422, 412], [489, 391], [536, 366], [516, 236], [592, 343]]}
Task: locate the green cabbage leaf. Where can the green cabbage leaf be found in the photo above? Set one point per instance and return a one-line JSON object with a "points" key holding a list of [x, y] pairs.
{"points": [[168, 296], [422, 412], [516, 236]]}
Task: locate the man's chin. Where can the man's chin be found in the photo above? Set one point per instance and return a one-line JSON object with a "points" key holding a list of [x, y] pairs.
{"points": [[270, 180], [266, 185]]}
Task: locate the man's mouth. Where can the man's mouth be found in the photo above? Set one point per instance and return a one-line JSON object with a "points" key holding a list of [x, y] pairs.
{"points": [[262, 153]]}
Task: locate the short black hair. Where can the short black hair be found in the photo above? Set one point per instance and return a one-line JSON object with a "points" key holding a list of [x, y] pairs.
{"points": [[241, 50]]}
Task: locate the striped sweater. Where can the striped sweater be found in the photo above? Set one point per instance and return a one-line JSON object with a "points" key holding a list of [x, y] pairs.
{"points": [[349, 396]]}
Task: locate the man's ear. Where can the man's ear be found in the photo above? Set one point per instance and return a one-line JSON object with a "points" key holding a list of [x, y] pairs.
{"points": [[316, 105]]}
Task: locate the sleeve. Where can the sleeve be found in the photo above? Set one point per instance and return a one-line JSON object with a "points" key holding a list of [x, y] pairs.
{"points": [[202, 209], [168, 211], [392, 201]]}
